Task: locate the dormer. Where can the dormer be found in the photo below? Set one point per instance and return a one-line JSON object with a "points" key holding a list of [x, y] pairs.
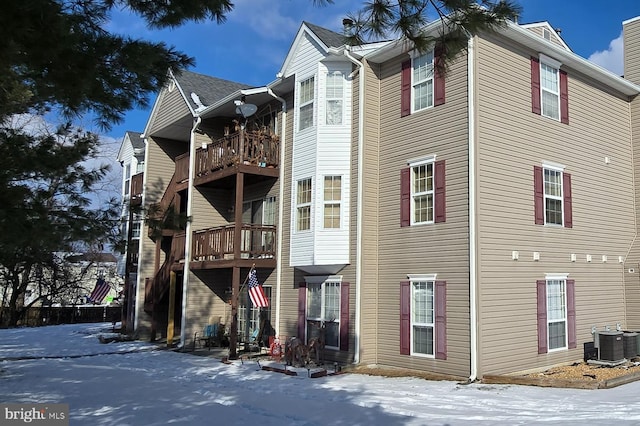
{"points": [[547, 32]]}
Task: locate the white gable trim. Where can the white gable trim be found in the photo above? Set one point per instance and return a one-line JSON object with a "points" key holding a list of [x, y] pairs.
{"points": [[548, 26], [294, 46]]}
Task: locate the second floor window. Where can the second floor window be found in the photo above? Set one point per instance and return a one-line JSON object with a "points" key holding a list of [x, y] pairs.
{"points": [[553, 204], [303, 205], [332, 201], [553, 197], [422, 193], [306, 98], [335, 94]]}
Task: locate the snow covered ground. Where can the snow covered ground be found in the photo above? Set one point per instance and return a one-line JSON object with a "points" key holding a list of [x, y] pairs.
{"points": [[131, 384]]}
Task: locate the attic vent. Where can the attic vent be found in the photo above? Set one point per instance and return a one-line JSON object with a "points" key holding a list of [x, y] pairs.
{"points": [[546, 34]]}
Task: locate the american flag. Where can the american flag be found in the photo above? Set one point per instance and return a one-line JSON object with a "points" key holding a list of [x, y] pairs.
{"points": [[256, 292], [99, 292]]}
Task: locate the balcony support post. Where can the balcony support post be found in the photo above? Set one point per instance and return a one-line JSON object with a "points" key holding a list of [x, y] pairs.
{"points": [[235, 279]]}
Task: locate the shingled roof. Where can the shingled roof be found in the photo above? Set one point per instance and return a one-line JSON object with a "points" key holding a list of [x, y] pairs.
{"points": [[209, 89], [136, 140], [328, 37]]}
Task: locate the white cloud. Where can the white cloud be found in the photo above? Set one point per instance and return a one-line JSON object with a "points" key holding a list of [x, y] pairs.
{"points": [[612, 58]]}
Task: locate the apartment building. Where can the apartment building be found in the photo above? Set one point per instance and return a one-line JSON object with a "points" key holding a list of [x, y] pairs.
{"points": [[478, 221]]}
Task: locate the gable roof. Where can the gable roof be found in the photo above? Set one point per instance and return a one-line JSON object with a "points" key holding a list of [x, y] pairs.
{"points": [[555, 33], [208, 90], [328, 37], [325, 39], [136, 139]]}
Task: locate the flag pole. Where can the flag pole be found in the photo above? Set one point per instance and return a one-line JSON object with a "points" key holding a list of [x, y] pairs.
{"points": [[245, 280]]}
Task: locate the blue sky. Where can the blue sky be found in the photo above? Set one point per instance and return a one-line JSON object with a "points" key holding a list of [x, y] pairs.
{"points": [[251, 46]]}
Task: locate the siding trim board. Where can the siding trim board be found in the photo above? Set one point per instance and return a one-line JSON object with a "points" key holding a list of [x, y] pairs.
{"points": [[344, 316], [302, 310]]}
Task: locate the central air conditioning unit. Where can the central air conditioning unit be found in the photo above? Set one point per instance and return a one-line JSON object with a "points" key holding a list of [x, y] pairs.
{"points": [[610, 345], [630, 344]]}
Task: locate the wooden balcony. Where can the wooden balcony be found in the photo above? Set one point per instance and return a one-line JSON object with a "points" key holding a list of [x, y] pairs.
{"points": [[214, 247], [256, 153], [137, 186]]}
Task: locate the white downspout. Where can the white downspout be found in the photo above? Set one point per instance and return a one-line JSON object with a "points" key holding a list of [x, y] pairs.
{"points": [[359, 196], [187, 236], [137, 308], [473, 279], [280, 209]]}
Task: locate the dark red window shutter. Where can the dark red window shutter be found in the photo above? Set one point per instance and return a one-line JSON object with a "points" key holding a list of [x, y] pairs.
{"points": [[564, 97], [405, 197], [535, 86], [538, 195], [344, 316], [438, 78], [405, 317], [440, 214], [568, 205], [405, 82], [302, 311], [542, 316], [441, 319], [571, 314]]}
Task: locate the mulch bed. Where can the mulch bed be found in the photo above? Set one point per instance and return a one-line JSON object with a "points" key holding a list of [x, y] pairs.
{"points": [[579, 376]]}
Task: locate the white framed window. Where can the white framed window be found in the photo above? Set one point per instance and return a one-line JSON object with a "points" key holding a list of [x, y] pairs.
{"points": [[423, 316], [422, 193], [135, 229], [334, 97], [556, 313], [422, 81], [127, 179], [306, 98], [303, 205], [550, 87], [332, 201], [323, 309], [553, 206]]}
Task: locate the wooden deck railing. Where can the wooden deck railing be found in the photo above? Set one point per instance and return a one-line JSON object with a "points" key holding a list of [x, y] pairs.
{"points": [[137, 181], [257, 148], [182, 168], [258, 241]]}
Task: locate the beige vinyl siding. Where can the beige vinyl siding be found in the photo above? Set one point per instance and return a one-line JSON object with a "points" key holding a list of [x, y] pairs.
{"points": [[631, 43], [439, 248], [173, 107], [158, 172], [510, 141], [370, 187]]}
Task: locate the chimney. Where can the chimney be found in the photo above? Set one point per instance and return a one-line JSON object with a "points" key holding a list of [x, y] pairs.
{"points": [[631, 45], [347, 26]]}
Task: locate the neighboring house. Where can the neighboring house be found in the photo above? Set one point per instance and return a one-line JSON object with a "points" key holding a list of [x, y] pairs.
{"points": [[478, 222], [74, 279], [131, 158]]}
